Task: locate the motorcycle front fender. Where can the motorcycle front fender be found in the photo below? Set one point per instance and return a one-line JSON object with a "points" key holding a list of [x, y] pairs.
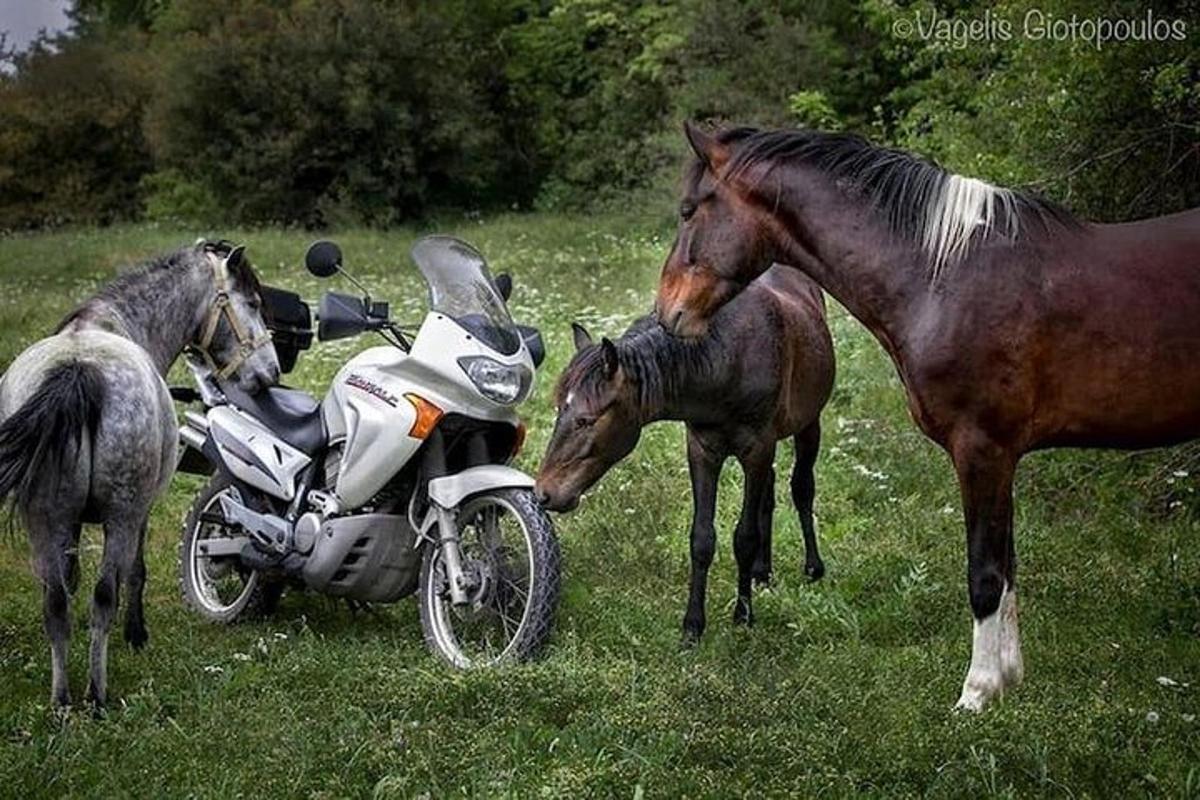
{"points": [[450, 490]]}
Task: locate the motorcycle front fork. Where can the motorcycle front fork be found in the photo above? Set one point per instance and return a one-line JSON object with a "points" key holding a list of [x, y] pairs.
{"points": [[448, 541]]}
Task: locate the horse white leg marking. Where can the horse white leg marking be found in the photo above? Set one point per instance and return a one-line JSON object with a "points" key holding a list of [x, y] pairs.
{"points": [[1012, 666], [995, 656]]}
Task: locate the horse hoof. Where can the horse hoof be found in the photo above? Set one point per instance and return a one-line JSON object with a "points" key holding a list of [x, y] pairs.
{"points": [[815, 571], [761, 577], [742, 615]]}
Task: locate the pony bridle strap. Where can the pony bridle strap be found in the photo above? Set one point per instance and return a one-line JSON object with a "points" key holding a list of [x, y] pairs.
{"points": [[222, 306]]}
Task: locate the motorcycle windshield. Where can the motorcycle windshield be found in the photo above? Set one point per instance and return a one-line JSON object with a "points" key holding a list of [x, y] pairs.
{"points": [[461, 287]]}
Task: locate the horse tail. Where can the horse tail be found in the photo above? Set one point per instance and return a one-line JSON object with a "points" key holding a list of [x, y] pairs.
{"points": [[42, 437]]}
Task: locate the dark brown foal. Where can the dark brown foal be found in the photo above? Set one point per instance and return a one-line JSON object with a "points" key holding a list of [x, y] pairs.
{"points": [[764, 377], [1013, 326]]}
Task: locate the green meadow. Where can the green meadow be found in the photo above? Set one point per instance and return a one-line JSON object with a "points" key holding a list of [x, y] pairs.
{"points": [[843, 687]]}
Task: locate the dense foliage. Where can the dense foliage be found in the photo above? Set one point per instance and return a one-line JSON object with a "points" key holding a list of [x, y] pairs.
{"points": [[379, 111]]}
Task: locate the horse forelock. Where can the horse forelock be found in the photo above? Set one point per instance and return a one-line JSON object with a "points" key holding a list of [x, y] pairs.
{"points": [[947, 215], [582, 379]]}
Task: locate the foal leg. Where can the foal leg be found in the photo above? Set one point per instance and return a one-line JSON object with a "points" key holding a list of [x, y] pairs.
{"points": [[761, 571], [804, 489], [756, 466], [120, 552], [135, 619], [52, 561], [704, 468], [985, 474]]}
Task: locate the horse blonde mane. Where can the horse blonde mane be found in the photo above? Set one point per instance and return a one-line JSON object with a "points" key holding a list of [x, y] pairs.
{"points": [[961, 210]]}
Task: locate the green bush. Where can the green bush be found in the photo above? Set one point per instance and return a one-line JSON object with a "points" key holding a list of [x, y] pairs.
{"points": [[71, 148], [287, 109], [362, 111], [1113, 131], [171, 197]]}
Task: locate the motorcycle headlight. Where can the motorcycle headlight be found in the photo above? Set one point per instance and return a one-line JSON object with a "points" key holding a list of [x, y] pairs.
{"points": [[501, 383]]}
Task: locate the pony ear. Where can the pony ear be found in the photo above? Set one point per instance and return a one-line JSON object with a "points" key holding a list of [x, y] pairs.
{"points": [[582, 337], [609, 351], [706, 146], [237, 257]]}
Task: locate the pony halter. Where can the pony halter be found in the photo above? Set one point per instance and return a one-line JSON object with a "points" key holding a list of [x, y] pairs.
{"points": [[222, 306]]}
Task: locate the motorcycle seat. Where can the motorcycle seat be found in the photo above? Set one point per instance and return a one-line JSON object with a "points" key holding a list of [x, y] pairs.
{"points": [[291, 414]]}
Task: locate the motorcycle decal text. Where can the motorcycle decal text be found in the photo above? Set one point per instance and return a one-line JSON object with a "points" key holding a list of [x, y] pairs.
{"points": [[374, 389]]}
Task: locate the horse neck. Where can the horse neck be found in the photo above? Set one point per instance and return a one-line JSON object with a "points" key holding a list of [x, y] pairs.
{"points": [[844, 245], [160, 309], [671, 375]]}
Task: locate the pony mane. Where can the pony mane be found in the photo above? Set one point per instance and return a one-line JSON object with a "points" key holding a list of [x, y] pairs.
{"points": [[129, 280], [946, 214]]}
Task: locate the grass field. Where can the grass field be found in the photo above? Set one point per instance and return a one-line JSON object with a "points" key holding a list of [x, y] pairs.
{"points": [[842, 687]]}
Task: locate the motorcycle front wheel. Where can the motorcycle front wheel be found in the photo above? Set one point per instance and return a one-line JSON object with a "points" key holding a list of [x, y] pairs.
{"points": [[511, 560]]}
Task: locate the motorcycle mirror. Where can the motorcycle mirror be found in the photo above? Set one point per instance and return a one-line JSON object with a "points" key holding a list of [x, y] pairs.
{"points": [[504, 284], [323, 259]]}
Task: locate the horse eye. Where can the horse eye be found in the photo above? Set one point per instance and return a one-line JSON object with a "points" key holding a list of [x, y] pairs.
{"points": [[686, 211], [584, 422]]}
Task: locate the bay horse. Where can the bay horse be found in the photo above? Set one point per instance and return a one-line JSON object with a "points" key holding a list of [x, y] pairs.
{"points": [[88, 430], [1014, 326], [763, 374]]}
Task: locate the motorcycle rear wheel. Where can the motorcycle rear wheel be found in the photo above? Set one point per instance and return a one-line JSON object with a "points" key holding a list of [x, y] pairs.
{"points": [[510, 552], [220, 591]]}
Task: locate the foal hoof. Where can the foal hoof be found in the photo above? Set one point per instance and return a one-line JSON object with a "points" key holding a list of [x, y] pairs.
{"points": [[761, 577], [137, 636], [742, 615], [815, 571]]}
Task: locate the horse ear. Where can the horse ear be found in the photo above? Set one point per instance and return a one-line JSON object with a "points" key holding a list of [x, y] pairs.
{"points": [[609, 352], [237, 257], [582, 337], [706, 146]]}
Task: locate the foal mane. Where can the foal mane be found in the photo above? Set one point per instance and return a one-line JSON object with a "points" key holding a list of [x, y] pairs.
{"points": [[946, 214], [655, 361]]}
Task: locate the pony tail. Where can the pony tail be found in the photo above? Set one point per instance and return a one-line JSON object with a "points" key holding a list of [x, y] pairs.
{"points": [[42, 437]]}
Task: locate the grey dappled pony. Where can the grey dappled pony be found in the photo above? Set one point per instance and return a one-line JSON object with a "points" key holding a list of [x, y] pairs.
{"points": [[88, 432]]}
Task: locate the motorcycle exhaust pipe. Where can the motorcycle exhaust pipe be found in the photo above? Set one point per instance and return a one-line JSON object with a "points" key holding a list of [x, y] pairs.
{"points": [[192, 437], [194, 430]]}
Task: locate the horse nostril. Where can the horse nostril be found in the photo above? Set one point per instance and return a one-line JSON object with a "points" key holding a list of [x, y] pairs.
{"points": [[540, 495]]}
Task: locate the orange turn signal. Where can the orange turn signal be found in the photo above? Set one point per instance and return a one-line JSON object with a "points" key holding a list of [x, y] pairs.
{"points": [[427, 416]]}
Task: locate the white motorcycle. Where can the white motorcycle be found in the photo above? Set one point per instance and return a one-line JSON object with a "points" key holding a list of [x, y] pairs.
{"points": [[397, 482]]}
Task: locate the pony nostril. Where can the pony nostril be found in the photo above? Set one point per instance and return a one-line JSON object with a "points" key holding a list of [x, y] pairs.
{"points": [[540, 495]]}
